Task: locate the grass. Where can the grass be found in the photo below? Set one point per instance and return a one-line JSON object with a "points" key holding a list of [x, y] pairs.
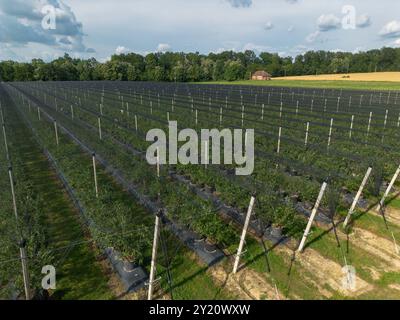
{"points": [[324, 84], [79, 276]]}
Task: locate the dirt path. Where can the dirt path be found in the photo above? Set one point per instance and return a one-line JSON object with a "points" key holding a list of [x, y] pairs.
{"points": [[247, 284], [378, 246], [327, 273]]}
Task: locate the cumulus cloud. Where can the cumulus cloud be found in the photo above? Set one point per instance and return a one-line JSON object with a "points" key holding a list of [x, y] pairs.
{"points": [[396, 43], [163, 47], [240, 3], [312, 37], [268, 26], [21, 23], [363, 21], [121, 49], [391, 30], [328, 22]]}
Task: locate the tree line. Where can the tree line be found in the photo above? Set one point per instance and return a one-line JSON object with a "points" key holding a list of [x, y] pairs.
{"points": [[182, 67]]}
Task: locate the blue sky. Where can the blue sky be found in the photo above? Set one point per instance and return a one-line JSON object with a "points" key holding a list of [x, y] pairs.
{"points": [[100, 28]]}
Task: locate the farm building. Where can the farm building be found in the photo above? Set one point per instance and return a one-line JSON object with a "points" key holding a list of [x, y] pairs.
{"points": [[261, 75]]}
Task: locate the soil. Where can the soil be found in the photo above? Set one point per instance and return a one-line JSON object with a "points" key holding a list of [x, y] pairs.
{"points": [[247, 284], [328, 272]]}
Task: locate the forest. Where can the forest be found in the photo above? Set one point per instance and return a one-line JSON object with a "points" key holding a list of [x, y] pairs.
{"points": [[195, 67]]}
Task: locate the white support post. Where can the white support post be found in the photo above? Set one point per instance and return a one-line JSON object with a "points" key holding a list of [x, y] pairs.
{"points": [[95, 175], [56, 132], [297, 108], [385, 121], [158, 162], [25, 271], [307, 130], [312, 105], [72, 112], [168, 116], [242, 115], [23, 257], [330, 134], [389, 188], [398, 121], [358, 195], [278, 149], [244, 232], [5, 141], [38, 111], [312, 217], [206, 154], [338, 104], [100, 133], [154, 257], [196, 120], [220, 116], [351, 126], [262, 111], [369, 123]]}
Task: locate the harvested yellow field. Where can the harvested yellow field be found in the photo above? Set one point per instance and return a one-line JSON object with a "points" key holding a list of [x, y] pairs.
{"points": [[375, 76]]}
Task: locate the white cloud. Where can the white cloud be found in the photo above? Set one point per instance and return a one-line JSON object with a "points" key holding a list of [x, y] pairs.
{"points": [[391, 30], [268, 26], [328, 22], [396, 43], [21, 24], [163, 47], [121, 49], [312, 37], [363, 21], [240, 3]]}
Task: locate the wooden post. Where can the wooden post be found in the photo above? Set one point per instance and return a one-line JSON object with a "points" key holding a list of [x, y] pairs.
{"points": [[351, 126], [243, 237], [312, 217], [99, 123], [56, 131], [307, 130], [154, 256], [389, 188], [95, 175], [357, 197]]}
